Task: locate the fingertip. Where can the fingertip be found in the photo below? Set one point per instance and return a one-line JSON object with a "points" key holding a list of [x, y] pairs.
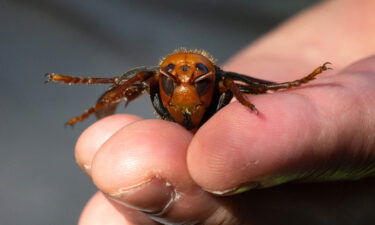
{"points": [[95, 135], [139, 152], [365, 65], [100, 210], [97, 211]]}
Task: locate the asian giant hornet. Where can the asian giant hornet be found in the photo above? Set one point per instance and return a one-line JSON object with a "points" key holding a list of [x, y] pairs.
{"points": [[187, 87]]}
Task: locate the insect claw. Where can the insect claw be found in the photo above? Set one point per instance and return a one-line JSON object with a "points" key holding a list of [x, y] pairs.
{"points": [[325, 67], [49, 77], [254, 109], [69, 123]]}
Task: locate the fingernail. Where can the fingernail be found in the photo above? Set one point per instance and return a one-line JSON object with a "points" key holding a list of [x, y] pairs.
{"points": [[237, 190], [153, 196], [87, 169]]}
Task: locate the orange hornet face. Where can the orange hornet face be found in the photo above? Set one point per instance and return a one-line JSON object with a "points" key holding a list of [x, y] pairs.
{"points": [[186, 86]]}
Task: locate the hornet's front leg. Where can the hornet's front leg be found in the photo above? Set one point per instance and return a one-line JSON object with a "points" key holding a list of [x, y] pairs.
{"points": [[122, 89], [107, 103], [66, 79]]}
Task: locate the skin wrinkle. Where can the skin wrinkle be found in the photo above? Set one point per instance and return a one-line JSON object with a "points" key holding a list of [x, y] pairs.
{"points": [[183, 204], [325, 116], [361, 100], [348, 111], [312, 127], [355, 141], [168, 207], [314, 111], [130, 188], [320, 122], [334, 121], [368, 69], [303, 143]]}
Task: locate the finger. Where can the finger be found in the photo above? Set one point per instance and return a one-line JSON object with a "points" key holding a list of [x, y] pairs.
{"points": [[99, 210], [93, 137], [143, 166], [319, 34], [316, 131]]}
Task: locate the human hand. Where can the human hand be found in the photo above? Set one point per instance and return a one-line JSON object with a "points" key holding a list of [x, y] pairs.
{"points": [[320, 129]]}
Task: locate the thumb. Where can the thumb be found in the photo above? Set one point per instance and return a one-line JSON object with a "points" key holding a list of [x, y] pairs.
{"points": [[321, 131]]}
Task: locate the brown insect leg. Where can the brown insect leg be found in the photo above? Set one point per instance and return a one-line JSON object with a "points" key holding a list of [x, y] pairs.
{"points": [[128, 91], [248, 89], [139, 77], [78, 80], [229, 83], [113, 96], [304, 80], [106, 105], [87, 113]]}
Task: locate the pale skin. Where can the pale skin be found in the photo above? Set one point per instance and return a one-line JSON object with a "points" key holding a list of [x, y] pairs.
{"points": [[328, 123]]}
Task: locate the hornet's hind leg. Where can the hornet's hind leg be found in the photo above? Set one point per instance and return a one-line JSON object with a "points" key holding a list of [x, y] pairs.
{"points": [[251, 85], [301, 81]]}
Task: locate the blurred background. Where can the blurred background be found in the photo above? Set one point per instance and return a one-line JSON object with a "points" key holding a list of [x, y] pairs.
{"points": [[40, 182]]}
